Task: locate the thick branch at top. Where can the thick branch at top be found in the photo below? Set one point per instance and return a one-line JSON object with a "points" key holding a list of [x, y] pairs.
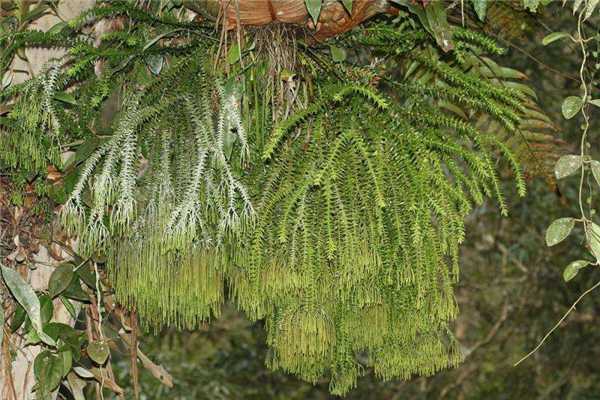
{"points": [[333, 20]]}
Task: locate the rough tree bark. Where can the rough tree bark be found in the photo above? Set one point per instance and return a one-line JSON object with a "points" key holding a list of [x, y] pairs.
{"points": [[16, 359], [333, 20]]}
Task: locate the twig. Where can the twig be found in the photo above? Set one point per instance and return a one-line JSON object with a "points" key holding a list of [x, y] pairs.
{"points": [[157, 371], [488, 338], [493, 331], [558, 323]]}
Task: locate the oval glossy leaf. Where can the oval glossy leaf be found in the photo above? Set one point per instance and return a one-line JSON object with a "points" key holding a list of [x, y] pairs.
{"points": [[87, 276], [573, 268], [48, 371], [18, 318], [595, 102], [314, 9], [155, 63], [571, 106], [67, 361], [82, 372], [46, 308], [593, 237], [98, 352], [26, 297], [75, 292], [595, 167], [567, 165], [69, 306], [60, 279], [480, 7], [348, 6], [559, 230], [553, 37]]}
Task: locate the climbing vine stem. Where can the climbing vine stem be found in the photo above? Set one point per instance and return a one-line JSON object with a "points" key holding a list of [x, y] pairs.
{"points": [[569, 164]]}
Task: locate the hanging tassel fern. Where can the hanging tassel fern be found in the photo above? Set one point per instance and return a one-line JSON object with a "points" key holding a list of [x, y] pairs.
{"points": [[330, 204]]}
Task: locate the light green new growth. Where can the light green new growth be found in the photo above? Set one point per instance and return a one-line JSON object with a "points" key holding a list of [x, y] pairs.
{"points": [[331, 204]]}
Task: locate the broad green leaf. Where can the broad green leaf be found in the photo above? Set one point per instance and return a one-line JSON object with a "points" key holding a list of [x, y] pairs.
{"points": [[98, 352], [559, 230], [595, 102], [573, 268], [69, 306], [593, 237], [571, 106], [32, 337], [46, 308], [62, 331], [65, 98], [26, 297], [60, 279], [48, 371], [67, 361], [595, 167], [75, 292], [436, 16], [347, 5], [567, 165], [87, 276], [82, 372], [553, 37], [338, 54], [18, 318], [314, 9], [155, 63], [480, 7]]}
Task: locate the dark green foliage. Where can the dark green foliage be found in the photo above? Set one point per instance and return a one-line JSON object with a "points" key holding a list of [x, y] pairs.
{"points": [[337, 219]]}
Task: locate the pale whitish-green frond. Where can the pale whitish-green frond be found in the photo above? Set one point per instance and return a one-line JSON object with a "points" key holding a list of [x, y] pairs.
{"points": [[341, 228], [50, 82]]}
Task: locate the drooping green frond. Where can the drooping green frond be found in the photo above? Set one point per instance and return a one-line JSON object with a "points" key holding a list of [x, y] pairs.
{"points": [[327, 198]]}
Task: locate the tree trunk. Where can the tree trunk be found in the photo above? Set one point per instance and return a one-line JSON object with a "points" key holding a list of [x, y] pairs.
{"points": [[16, 359]]}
